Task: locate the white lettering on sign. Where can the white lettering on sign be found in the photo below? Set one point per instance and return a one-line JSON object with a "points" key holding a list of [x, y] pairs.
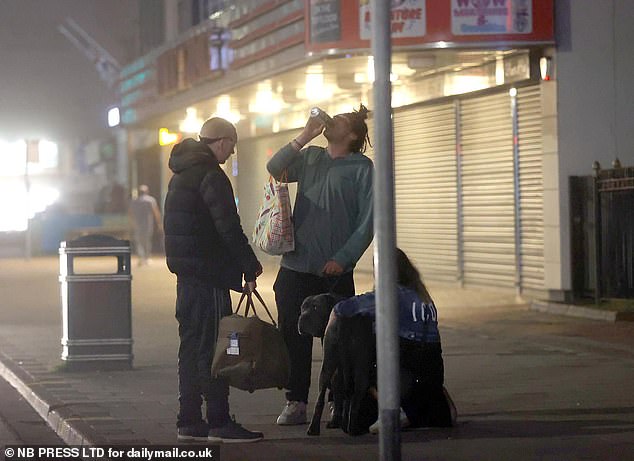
{"points": [[408, 19], [482, 17]]}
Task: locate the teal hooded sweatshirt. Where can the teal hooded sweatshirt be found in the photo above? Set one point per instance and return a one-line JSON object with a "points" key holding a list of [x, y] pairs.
{"points": [[332, 216]]}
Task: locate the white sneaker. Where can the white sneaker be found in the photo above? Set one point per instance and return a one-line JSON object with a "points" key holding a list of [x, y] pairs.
{"points": [[293, 413], [403, 419]]}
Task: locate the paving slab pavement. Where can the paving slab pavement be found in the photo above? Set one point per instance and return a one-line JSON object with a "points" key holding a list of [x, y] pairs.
{"points": [[528, 385]]}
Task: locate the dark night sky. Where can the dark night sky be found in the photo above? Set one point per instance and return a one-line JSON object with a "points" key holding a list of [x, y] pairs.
{"points": [[48, 88]]}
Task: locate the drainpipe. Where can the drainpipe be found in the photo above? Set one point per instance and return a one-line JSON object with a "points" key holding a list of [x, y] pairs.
{"points": [[516, 193]]}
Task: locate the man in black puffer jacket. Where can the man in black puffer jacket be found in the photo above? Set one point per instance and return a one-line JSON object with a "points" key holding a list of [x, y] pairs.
{"points": [[206, 248]]}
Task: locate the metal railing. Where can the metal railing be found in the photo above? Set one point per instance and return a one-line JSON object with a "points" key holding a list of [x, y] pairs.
{"points": [[613, 208]]}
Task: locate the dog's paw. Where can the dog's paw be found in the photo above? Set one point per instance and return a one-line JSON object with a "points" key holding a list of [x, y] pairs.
{"points": [[313, 430]]}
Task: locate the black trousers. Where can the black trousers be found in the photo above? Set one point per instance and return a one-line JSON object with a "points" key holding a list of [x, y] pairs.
{"points": [[291, 288], [199, 309], [422, 378]]}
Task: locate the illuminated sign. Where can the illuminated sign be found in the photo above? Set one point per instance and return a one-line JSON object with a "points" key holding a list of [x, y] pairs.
{"points": [[431, 23], [407, 19], [113, 117], [475, 17], [166, 137]]}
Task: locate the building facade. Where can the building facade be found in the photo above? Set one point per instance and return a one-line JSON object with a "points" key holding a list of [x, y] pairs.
{"points": [[496, 104]]}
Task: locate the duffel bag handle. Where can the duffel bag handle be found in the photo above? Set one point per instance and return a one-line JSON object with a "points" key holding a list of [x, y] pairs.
{"points": [[251, 306]]}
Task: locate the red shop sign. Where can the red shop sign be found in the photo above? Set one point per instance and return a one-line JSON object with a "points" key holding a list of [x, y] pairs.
{"points": [[346, 24]]}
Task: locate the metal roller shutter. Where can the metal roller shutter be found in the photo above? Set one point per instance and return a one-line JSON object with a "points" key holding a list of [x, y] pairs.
{"points": [[531, 187], [428, 192], [487, 191], [425, 189]]}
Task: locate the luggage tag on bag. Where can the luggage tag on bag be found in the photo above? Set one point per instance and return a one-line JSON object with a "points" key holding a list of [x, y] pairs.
{"points": [[234, 346]]}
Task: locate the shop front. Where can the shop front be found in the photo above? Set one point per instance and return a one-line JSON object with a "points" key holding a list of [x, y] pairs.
{"points": [[469, 115]]}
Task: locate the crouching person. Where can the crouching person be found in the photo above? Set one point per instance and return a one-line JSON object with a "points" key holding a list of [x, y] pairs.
{"points": [[424, 400]]}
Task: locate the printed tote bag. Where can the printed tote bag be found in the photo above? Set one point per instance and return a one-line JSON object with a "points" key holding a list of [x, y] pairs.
{"points": [[273, 232]]}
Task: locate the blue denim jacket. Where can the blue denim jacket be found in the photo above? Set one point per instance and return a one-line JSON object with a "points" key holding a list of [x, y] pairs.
{"points": [[418, 321]]}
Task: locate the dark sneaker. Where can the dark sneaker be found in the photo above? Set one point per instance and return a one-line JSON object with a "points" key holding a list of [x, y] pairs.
{"points": [[233, 432], [196, 432]]}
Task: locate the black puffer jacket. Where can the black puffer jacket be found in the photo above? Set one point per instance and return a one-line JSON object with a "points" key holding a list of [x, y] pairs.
{"points": [[203, 235]]}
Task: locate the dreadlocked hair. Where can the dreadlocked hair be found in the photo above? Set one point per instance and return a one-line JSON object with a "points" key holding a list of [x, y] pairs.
{"points": [[357, 121]]}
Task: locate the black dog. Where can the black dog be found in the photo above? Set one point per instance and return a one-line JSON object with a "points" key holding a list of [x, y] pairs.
{"points": [[357, 346], [313, 319], [314, 314], [349, 348]]}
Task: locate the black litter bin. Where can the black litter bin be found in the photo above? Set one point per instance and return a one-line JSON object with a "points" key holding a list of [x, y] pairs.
{"points": [[96, 304]]}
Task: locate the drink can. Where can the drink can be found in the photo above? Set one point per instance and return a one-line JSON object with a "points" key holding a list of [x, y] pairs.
{"points": [[321, 115]]}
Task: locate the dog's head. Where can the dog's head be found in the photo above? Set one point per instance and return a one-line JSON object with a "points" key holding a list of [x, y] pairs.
{"points": [[314, 314]]}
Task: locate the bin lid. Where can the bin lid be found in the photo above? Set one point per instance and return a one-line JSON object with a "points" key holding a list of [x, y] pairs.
{"points": [[95, 241]]}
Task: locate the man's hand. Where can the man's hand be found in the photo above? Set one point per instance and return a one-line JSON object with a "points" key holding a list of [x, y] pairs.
{"points": [[332, 268], [313, 128], [249, 287]]}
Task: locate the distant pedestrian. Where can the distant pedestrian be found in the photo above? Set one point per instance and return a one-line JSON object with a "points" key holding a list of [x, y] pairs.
{"points": [[145, 215], [333, 228], [206, 248]]}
